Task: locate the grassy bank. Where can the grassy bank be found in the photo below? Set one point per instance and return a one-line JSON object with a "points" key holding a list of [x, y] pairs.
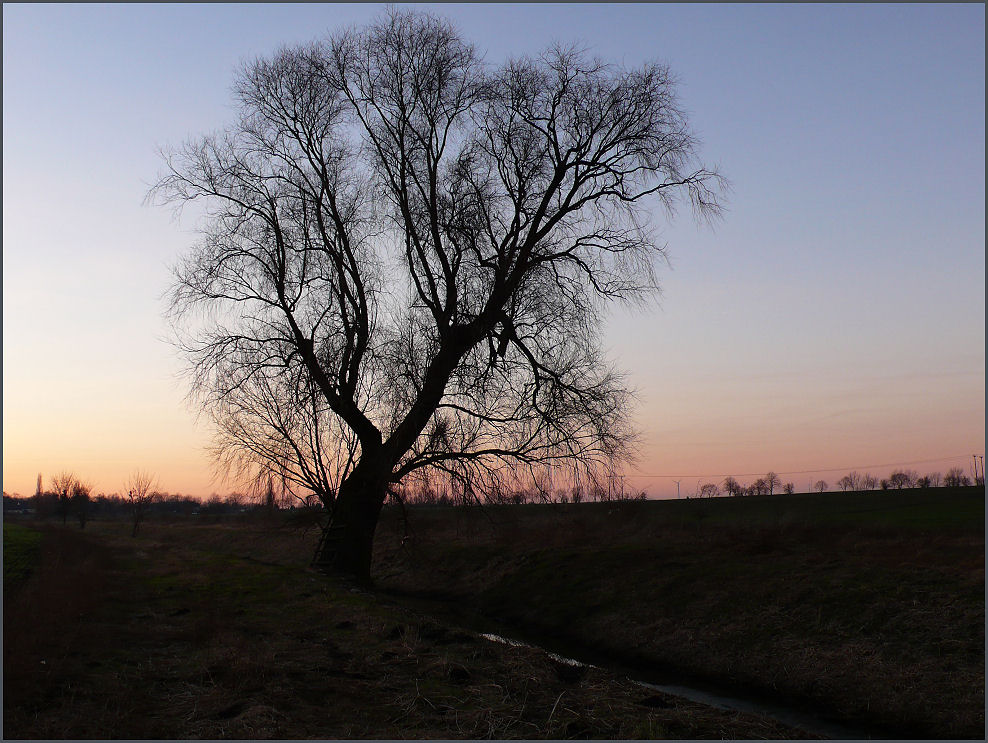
{"points": [[218, 631], [866, 606]]}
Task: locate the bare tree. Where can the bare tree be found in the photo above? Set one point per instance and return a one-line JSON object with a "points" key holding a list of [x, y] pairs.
{"points": [[850, 481], [62, 485], [733, 487], [955, 477], [80, 501], [709, 490], [404, 258], [789, 488], [772, 482], [820, 486], [869, 482], [758, 487], [934, 478], [902, 479], [139, 489]]}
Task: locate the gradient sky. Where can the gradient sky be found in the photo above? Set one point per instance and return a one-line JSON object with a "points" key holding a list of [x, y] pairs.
{"points": [[835, 318]]}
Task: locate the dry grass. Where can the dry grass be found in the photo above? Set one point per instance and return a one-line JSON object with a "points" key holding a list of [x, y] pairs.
{"points": [[866, 609], [178, 634]]}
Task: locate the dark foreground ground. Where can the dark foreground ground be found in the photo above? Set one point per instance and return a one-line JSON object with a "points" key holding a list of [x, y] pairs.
{"points": [[866, 607], [179, 634]]}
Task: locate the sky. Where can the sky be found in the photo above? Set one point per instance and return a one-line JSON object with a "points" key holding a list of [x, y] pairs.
{"points": [[834, 319]]}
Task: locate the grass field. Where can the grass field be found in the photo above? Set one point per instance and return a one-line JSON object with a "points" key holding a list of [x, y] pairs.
{"points": [[867, 607], [20, 555], [192, 633]]}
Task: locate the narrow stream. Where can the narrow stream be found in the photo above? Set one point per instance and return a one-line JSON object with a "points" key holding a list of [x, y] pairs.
{"points": [[692, 689], [793, 718]]}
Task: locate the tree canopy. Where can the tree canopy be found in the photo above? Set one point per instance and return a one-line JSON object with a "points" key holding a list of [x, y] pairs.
{"points": [[405, 253]]}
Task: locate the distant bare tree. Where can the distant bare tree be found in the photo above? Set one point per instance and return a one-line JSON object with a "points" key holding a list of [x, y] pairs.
{"points": [[140, 494], [709, 490], [789, 488], [955, 477], [850, 481], [62, 485], [923, 482], [80, 502], [733, 487], [772, 482], [405, 257], [820, 486], [758, 487], [934, 478], [902, 479], [869, 482]]}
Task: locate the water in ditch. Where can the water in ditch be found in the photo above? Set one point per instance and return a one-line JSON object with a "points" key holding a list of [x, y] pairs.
{"points": [[669, 683]]}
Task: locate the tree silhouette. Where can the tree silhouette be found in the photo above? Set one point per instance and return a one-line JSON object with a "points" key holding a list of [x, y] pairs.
{"points": [[80, 499], [139, 489], [850, 481], [955, 477], [733, 487], [902, 479], [62, 485], [820, 486], [404, 257]]}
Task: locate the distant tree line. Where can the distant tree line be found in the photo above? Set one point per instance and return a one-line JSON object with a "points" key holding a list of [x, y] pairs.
{"points": [[452, 491], [852, 481], [68, 498]]}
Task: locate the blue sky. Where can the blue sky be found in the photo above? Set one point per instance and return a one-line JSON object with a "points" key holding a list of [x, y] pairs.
{"points": [[834, 317]]}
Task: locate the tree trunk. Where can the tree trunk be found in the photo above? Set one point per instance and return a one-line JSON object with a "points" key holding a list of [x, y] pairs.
{"points": [[348, 540]]}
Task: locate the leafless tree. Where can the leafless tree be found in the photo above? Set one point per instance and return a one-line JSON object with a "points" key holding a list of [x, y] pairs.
{"points": [[733, 487], [902, 479], [139, 489], [772, 482], [934, 478], [955, 477], [405, 255], [820, 486], [62, 485], [709, 490], [789, 488], [850, 481], [80, 501]]}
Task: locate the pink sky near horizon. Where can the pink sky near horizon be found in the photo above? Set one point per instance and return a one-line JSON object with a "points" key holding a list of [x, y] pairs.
{"points": [[834, 319]]}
